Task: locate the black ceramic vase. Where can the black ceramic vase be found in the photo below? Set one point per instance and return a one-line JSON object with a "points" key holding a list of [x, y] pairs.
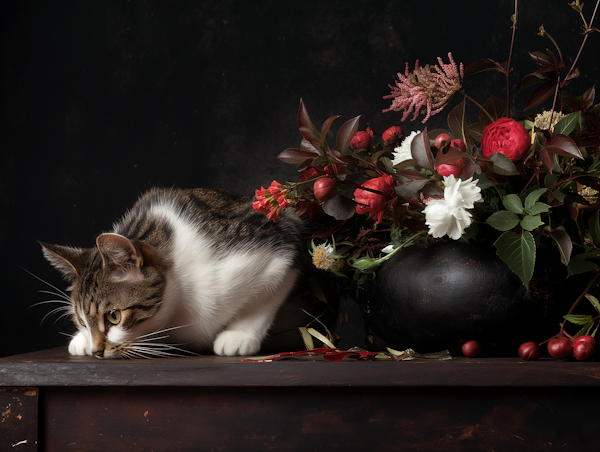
{"points": [[437, 297]]}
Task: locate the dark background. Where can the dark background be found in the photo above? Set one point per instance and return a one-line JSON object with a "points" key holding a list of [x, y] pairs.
{"points": [[102, 100]]}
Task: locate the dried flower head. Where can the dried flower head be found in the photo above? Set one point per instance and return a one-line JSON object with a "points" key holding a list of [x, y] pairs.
{"points": [[542, 120], [429, 88], [322, 256]]}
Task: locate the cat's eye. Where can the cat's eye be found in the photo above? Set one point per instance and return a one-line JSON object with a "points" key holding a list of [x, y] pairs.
{"points": [[114, 316]]}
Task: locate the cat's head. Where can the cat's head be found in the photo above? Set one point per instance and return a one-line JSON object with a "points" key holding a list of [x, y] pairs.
{"points": [[116, 291]]}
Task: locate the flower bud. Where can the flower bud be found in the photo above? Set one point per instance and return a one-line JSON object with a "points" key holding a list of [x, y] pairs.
{"points": [[393, 136], [361, 140], [325, 188]]}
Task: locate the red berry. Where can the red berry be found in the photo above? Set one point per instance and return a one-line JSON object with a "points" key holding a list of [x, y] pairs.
{"points": [[442, 140], [560, 348], [325, 188], [471, 349], [582, 350], [529, 351], [459, 144], [586, 338]]}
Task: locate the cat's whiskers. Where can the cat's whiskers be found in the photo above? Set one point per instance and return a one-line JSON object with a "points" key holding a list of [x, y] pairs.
{"points": [[65, 309], [61, 293]]}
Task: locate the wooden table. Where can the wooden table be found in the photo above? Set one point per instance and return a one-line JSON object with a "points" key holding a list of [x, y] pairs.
{"points": [[52, 401]]}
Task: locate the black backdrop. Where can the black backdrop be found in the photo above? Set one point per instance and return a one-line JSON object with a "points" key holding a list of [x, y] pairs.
{"points": [[103, 99]]}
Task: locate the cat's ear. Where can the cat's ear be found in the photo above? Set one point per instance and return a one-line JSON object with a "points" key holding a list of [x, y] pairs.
{"points": [[69, 261], [120, 256]]}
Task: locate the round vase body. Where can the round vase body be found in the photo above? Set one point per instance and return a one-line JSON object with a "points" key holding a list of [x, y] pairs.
{"points": [[437, 297]]}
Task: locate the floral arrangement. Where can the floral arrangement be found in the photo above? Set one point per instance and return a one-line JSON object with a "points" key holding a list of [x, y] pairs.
{"points": [[517, 181]]}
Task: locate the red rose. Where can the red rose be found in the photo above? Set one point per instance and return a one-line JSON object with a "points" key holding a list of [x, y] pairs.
{"points": [[506, 136], [362, 139], [375, 204], [392, 135]]}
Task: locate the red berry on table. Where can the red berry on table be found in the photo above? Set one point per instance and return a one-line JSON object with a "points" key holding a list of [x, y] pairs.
{"points": [[586, 338], [529, 351], [471, 349], [583, 350], [560, 348], [325, 188]]}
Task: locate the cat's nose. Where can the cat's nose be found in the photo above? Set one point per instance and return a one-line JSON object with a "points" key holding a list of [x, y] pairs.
{"points": [[98, 353]]}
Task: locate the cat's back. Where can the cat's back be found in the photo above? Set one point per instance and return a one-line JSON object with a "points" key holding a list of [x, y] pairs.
{"points": [[226, 220]]}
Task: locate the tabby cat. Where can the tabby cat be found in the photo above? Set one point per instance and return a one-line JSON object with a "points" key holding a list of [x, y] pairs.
{"points": [[199, 267]]}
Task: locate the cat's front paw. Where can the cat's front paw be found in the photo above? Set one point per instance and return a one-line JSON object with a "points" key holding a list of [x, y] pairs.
{"points": [[232, 343], [78, 345]]}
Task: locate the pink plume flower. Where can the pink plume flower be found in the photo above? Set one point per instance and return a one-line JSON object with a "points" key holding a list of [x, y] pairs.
{"points": [[427, 88]]}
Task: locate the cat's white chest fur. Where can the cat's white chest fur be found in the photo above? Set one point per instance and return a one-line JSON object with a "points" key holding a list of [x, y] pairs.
{"points": [[224, 298]]}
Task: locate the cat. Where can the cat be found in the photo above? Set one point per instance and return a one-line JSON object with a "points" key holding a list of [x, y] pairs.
{"points": [[199, 266]]}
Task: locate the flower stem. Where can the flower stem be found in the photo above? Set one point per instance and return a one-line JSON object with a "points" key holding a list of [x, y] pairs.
{"points": [[512, 43], [589, 286], [478, 104], [588, 30]]}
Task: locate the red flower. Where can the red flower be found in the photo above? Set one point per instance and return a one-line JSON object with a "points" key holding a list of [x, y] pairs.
{"points": [[362, 139], [317, 171], [375, 204], [393, 135], [456, 168], [270, 201], [506, 136]]}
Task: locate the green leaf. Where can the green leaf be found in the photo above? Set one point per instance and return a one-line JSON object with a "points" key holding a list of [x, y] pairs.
{"points": [[594, 227], [537, 208], [531, 222], [307, 338], [501, 164], [389, 166], [595, 303], [533, 197], [513, 203], [579, 319], [319, 336], [579, 266], [518, 252], [503, 220], [568, 124]]}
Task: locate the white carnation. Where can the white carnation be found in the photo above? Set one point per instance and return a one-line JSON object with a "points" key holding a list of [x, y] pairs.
{"points": [[449, 216], [402, 152]]}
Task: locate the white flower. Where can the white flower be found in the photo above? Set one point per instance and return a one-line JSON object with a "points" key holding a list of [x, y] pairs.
{"points": [[449, 216], [388, 249], [402, 152]]}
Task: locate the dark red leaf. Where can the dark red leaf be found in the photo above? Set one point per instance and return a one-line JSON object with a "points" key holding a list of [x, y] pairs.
{"points": [[571, 76], [325, 129], [340, 207], [496, 109], [292, 155], [563, 145], [450, 156], [547, 159], [588, 98], [307, 129], [345, 135], [540, 94], [531, 79], [421, 152], [306, 145], [484, 64]]}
